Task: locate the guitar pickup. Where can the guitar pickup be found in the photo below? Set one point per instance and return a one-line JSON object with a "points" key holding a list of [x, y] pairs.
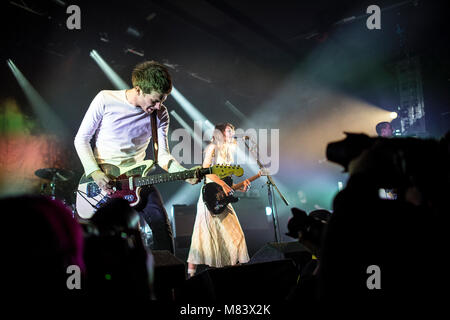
{"points": [[92, 190], [130, 183]]}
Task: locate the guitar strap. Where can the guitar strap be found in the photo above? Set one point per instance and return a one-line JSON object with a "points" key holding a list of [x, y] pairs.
{"points": [[154, 135]]}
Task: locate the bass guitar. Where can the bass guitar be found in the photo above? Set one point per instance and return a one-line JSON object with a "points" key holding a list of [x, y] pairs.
{"points": [[215, 198], [127, 183]]}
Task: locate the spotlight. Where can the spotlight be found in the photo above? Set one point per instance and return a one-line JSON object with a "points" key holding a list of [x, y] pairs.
{"points": [[138, 53], [268, 211], [190, 109], [104, 37], [117, 81], [41, 108], [393, 115], [187, 127], [132, 31], [150, 16]]}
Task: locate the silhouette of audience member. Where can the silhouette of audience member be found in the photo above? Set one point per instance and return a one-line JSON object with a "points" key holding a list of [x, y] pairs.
{"points": [[384, 129], [378, 251], [309, 230], [40, 240], [119, 267]]}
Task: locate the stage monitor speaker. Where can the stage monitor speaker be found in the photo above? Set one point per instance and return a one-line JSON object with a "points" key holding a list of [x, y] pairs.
{"points": [[274, 251], [259, 283], [183, 225], [170, 273]]}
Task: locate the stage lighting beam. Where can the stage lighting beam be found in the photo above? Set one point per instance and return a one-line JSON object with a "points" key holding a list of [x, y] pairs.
{"points": [[192, 111], [45, 114], [116, 80], [187, 127]]}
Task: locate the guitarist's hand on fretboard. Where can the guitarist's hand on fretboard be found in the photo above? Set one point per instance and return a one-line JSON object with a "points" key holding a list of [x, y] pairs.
{"points": [[245, 186], [196, 179]]}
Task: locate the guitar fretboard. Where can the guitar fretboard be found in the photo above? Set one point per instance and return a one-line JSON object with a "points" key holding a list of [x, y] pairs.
{"points": [[240, 184], [167, 177]]}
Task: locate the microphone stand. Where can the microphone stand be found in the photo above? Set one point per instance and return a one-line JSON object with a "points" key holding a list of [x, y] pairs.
{"points": [[270, 186]]}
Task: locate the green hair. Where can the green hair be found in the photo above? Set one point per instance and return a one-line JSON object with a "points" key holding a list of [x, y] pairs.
{"points": [[152, 76]]}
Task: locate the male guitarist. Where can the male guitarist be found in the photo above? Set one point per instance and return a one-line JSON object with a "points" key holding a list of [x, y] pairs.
{"points": [[119, 123]]}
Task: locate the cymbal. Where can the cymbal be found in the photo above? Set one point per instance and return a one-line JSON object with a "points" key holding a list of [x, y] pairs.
{"points": [[54, 173]]}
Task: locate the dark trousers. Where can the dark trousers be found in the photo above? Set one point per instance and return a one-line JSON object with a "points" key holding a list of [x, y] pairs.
{"points": [[153, 212]]}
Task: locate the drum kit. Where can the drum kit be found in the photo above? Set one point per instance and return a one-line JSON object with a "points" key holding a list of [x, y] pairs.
{"points": [[55, 176]]}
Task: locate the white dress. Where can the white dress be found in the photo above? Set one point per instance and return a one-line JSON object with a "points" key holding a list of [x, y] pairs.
{"points": [[217, 240]]}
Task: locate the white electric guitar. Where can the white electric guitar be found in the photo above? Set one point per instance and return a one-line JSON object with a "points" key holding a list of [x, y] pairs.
{"points": [[128, 182]]}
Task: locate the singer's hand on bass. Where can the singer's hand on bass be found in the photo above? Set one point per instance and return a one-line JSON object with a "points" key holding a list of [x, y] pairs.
{"points": [[226, 188]]}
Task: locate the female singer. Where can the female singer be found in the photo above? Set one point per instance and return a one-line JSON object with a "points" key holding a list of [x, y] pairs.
{"points": [[218, 240]]}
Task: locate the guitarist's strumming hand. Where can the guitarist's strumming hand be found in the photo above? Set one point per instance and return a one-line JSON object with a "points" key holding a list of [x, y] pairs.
{"points": [[226, 188], [102, 180]]}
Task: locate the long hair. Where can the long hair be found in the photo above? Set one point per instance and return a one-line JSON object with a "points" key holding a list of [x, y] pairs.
{"points": [[223, 148]]}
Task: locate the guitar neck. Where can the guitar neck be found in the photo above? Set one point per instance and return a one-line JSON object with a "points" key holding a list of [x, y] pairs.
{"points": [[240, 184], [167, 177]]}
